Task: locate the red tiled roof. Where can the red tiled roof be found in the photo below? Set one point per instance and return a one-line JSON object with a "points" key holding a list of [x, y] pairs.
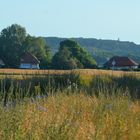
{"points": [[29, 58], [120, 62]]}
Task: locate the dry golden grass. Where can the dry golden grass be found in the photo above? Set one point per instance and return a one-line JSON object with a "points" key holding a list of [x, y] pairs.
{"points": [[87, 72], [77, 117], [23, 71]]}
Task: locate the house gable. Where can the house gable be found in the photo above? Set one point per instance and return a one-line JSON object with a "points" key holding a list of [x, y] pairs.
{"points": [[120, 63], [29, 61]]}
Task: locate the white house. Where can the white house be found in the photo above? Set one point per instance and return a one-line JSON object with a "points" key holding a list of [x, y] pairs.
{"points": [[29, 61]]}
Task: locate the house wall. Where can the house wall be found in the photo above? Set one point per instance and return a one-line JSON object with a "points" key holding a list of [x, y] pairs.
{"points": [[125, 67], [29, 66], [1, 65]]}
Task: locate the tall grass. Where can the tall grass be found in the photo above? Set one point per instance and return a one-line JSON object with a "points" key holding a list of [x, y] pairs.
{"points": [[109, 85], [76, 116], [12, 88], [32, 86], [69, 106]]}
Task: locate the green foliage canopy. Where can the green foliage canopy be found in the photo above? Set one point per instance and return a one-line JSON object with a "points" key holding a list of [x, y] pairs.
{"points": [[38, 47], [11, 44], [14, 42], [71, 56]]}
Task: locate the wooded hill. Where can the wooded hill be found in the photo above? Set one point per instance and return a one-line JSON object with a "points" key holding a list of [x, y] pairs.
{"points": [[101, 50]]}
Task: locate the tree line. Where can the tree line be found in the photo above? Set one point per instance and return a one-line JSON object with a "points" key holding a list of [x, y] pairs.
{"points": [[15, 42]]}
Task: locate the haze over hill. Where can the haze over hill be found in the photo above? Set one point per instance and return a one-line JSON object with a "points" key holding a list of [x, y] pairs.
{"points": [[100, 49]]}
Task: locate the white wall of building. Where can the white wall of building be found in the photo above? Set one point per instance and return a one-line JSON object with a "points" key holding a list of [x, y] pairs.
{"points": [[29, 66], [125, 67]]}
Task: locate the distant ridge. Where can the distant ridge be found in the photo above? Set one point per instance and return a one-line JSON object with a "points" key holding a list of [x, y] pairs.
{"points": [[100, 49]]}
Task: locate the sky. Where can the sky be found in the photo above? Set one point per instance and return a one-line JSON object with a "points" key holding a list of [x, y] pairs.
{"points": [[101, 19]]}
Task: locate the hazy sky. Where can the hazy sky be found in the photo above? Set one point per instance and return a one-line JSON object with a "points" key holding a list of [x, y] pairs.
{"points": [[106, 19]]}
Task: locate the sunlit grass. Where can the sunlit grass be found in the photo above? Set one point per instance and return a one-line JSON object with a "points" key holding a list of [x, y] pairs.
{"points": [[87, 72], [81, 105], [75, 116]]}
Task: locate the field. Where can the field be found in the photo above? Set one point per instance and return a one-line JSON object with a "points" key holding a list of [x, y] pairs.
{"points": [[81, 71], [86, 74], [65, 105]]}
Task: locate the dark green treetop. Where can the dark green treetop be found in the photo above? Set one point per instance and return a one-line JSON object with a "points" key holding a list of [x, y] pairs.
{"points": [[71, 56], [11, 44]]}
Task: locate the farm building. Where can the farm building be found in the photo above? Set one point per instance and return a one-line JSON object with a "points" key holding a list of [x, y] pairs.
{"points": [[29, 61], [1, 63], [121, 62]]}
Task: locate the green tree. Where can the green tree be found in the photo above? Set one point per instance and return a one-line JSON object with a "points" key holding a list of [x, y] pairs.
{"points": [[11, 45], [38, 47], [71, 56], [63, 60]]}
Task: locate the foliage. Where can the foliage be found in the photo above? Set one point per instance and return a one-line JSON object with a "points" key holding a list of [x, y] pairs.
{"points": [[100, 49], [63, 60], [11, 44], [14, 42], [71, 56], [38, 47]]}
